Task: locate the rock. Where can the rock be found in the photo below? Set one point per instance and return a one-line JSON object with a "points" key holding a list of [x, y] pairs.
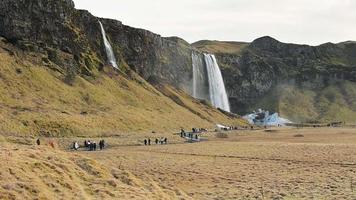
{"points": [[60, 30], [18, 71], [253, 73], [71, 43]]}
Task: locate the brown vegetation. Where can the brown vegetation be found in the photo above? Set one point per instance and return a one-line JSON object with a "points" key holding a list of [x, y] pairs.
{"points": [[247, 165]]}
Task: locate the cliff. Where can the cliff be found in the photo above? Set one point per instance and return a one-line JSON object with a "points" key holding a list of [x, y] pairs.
{"points": [[56, 80], [72, 39], [302, 82], [256, 74]]}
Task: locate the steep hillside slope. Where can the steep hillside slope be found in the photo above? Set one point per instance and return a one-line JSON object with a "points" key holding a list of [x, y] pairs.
{"points": [[270, 74], [35, 99]]}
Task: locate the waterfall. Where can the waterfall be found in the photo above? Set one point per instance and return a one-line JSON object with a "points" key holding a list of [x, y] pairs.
{"points": [[208, 83], [108, 48], [217, 92], [200, 78]]}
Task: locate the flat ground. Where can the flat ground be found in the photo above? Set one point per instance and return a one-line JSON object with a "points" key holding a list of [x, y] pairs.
{"points": [[276, 164]]}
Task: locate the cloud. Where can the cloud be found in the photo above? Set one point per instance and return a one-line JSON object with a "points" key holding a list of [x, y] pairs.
{"points": [[297, 21]]}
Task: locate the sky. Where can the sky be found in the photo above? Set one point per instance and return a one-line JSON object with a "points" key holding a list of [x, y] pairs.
{"points": [[310, 22]]}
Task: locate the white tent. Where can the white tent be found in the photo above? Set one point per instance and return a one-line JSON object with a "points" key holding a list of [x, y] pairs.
{"points": [[222, 127]]}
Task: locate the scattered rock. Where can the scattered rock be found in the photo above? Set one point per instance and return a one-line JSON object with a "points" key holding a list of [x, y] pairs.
{"points": [[18, 71], [298, 135]]}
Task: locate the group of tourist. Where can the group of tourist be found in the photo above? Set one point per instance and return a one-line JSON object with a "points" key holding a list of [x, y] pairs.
{"points": [[157, 141], [230, 128], [90, 145], [199, 130], [192, 135], [194, 130]]}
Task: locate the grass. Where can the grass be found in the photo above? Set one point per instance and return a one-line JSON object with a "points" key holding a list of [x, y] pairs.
{"points": [[335, 102], [36, 101], [220, 47], [46, 173], [246, 165], [221, 135]]}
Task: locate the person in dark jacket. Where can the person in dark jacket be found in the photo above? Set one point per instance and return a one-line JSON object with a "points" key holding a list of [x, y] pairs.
{"points": [[94, 146], [38, 142], [101, 144], [182, 133]]}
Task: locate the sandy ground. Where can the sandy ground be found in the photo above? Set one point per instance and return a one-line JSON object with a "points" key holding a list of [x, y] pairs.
{"points": [[276, 164]]}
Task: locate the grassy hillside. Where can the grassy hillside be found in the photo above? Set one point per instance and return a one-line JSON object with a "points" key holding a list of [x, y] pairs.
{"points": [[337, 102], [220, 47], [34, 100]]}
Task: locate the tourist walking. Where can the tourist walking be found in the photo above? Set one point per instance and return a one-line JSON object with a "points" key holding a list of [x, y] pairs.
{"points": [[75, 146], [182, 133], [101, 144], [94, 145]]}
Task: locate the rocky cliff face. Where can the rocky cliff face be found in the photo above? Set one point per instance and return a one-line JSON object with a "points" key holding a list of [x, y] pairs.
{"points": [[47, 26], [259, 68], [152, 56], [72, 39]]}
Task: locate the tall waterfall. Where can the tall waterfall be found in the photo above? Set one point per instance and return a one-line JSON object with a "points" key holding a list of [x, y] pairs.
{"points": [[108, 48], [217, 92], [208, 83]]}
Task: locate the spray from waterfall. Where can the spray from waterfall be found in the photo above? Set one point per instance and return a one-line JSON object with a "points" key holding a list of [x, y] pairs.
{"points": [[195, 74], [198, 76], [217, 91], [109, 52], [200, 88]]}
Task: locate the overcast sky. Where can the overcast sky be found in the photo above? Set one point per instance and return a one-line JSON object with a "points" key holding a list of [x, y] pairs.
{"points": [[297, 21]]}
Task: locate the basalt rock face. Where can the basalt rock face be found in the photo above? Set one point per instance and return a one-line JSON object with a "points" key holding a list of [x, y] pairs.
{"points": [[152, 56], [267, 63], [72, 39], [54, 28]]}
